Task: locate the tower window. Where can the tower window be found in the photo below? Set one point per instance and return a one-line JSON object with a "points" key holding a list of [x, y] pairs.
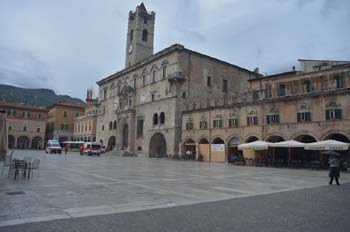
{"points": [[145, 21], [131, 35], [164, 72], [162, 118], [144, 35], [155, 119], [224, 85], [154, 76], [208, 81]]}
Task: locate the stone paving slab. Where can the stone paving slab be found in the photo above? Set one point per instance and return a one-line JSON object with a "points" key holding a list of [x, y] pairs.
{"points": [[71, 186]]}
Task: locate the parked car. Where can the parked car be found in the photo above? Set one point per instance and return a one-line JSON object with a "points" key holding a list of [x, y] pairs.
{"points": [[103, 149], [53, 146], [92, 148]]}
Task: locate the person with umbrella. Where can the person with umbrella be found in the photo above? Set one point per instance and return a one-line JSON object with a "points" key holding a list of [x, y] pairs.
{"points": [[334, 164]]}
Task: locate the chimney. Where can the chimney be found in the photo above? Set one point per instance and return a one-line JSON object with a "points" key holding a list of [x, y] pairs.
{"points": [[256, 70], [293, 68]]}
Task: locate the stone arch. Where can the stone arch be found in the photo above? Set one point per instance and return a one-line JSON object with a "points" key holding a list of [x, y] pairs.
{"points": [[217, 140], [111, 143], [302, 155], [189, 144], [203, 140], [298, 136], [233, 141], [157, 145], [275, 138], [37, 142], [251, 138], [11, 141], [23, 142], [336, 135], [233, 136]]}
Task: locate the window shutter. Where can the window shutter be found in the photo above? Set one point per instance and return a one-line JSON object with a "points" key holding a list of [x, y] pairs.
{"points": [[205, 124], [338, 114], [277, 118], [214, 123], [268, 119], [220, 123], [328, 115], [298, 117], [230, 122], [236, 121], [255, 120], [248, 122], [308, 116]]}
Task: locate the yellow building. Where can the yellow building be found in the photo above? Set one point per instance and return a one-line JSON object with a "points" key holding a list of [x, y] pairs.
{"points": [[60, 121], [26, 125], [305, 106], [85, 125]]}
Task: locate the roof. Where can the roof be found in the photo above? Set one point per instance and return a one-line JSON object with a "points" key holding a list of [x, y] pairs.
{"points": [[65, 104], [283, 74], [324, 60], [22, 106], [296, 73], [164, 52]]}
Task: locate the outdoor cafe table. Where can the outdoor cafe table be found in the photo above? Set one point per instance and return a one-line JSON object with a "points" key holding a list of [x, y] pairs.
{"points": [[23, 166]]}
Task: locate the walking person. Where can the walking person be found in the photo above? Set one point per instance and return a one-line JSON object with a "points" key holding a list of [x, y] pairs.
{"points": [[66, 149], [334, 172]]}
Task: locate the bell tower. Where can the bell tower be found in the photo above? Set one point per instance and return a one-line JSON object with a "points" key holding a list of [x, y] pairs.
{"points": [[140, 36]]}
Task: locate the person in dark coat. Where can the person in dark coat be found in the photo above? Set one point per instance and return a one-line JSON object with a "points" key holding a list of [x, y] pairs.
{"points": [[334, 172]]}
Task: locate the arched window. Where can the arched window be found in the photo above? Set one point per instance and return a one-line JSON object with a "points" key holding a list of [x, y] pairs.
{"points": [[131, 35], [155, 119], [154, 76], [144, 35], [115, 125], [110, 125], [162, 118]]}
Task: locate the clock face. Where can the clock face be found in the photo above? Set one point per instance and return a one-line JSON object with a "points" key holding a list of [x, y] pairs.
{"points": [[131, 48]]}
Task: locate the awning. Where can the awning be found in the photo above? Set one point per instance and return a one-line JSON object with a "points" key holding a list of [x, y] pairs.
{"points": [[327, 145], [256, 145], [288, 143], [73, 142]]}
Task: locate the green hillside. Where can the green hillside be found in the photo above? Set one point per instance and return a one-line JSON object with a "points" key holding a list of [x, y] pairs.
{"points": [[34, 97]]}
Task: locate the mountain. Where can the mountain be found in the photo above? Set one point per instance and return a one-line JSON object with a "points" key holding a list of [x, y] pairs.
{"points": [[35, 97]]}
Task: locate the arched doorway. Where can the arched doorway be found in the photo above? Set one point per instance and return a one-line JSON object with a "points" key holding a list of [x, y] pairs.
{"points": [[341, 138], [189, 149], [233, 149], [218, 153], [23, 142], [37, 142], [157, 145], [277, 156], [304, 158], [203, 149], [11, 141], [111, 143]]}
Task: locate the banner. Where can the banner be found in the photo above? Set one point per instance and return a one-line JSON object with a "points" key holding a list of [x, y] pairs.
{"points": [[218, 147]]}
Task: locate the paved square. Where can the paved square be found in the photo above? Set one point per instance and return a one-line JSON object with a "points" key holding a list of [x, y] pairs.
{"points": [[71, 186]]}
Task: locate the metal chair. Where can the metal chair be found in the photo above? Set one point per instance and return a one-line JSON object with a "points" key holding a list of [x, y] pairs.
{"points": [[7, 162], [33, 166]]}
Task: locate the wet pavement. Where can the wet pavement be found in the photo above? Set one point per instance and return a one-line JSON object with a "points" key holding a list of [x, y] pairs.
{"points": [[73, 186]]}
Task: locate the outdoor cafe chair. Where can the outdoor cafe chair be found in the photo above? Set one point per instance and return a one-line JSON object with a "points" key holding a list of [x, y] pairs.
{"points": [[7, 162], [20, 166], [34, 166]]}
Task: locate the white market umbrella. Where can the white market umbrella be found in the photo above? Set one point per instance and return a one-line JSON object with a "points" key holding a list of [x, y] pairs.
{"points": [[3, 136], [288, 143], [256, 145], [327, 145]]}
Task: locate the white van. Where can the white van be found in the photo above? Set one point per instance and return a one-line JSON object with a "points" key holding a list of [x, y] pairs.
{"points": [[53, 146], [92, 148]]}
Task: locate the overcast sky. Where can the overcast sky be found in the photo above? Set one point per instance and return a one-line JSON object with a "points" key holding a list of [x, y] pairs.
{"points": [[68, 45]]}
